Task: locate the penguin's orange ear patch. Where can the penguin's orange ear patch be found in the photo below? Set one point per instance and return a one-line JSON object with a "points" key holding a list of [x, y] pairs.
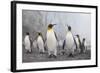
{"points": [[49, 29]]}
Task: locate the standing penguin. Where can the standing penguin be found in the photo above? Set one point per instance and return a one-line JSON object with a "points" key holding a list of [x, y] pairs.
{"points": [[40, 43], [51, 41], [79, 45], [83, 45], [69, 42], [27, 43]]}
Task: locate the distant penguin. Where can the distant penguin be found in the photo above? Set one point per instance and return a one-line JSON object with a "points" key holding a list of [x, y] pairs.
{"points": [[69, 42], [51, 41], [79, 44], [27, 43], [83, 45], [40, 43]]}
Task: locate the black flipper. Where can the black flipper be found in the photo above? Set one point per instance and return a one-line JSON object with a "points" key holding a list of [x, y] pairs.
{"points": [[75, 42], [80, 44], [31, 41], [64, 44], [56, 36]]}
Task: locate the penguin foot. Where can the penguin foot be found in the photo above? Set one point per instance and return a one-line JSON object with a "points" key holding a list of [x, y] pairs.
{"points": [[63, 53], [28, 51], [70, 55], [50, 56], [42, 52], [54, 56]]}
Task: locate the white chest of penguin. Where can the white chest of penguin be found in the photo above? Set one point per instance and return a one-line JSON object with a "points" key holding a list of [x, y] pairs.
{"points": [[40, 41], [51, 39], [69, 40], [26, 40]]}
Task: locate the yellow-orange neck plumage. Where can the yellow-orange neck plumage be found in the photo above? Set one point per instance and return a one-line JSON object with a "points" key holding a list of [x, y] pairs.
{"points": [[50, 29]]}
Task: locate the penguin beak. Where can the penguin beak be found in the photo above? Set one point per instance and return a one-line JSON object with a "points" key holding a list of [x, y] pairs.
{"points": [[54, 24]]}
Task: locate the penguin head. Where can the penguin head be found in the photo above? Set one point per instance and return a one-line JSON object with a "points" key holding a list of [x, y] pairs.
{"points": [[27, 33], [83, 39], [50, 26], [39, 34], [69, 28], [77, 35]]}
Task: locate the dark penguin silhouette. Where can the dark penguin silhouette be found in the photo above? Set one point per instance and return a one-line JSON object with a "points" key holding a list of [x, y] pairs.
{"points": [[83, 46]]}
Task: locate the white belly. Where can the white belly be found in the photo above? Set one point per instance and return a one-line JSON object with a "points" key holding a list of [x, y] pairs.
{"points": [[69, 41], [27, 43], [51, 41], [40, 43]]}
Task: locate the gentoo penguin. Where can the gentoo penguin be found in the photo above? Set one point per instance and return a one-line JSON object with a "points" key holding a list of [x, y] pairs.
{"points": [[40, 43], [51, 41], [78, 41], [69, 43], [27, 43], [83, 45]]}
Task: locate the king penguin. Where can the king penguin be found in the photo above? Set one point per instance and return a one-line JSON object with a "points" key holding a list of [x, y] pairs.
{"points": [[27, 43], [69, 43], [40, 43], [51, 41], [83, 45], [78, 42]]}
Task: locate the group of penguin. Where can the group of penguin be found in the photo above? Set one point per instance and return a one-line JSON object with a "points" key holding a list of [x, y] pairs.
{"points": [[69, 46]]}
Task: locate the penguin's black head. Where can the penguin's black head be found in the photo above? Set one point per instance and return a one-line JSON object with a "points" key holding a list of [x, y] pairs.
{"points": [[51, 25], [77, 35], [69, 28], [27, 33], [83, 39], [39, 33]]}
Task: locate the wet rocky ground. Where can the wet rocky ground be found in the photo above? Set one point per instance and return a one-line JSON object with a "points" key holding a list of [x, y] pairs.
{"points": [[35, 56]]}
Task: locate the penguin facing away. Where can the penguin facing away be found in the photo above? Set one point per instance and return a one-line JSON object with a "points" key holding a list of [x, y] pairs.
{"points": [[69, 42], [40, 43], [27, 43], [51, 41]]}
